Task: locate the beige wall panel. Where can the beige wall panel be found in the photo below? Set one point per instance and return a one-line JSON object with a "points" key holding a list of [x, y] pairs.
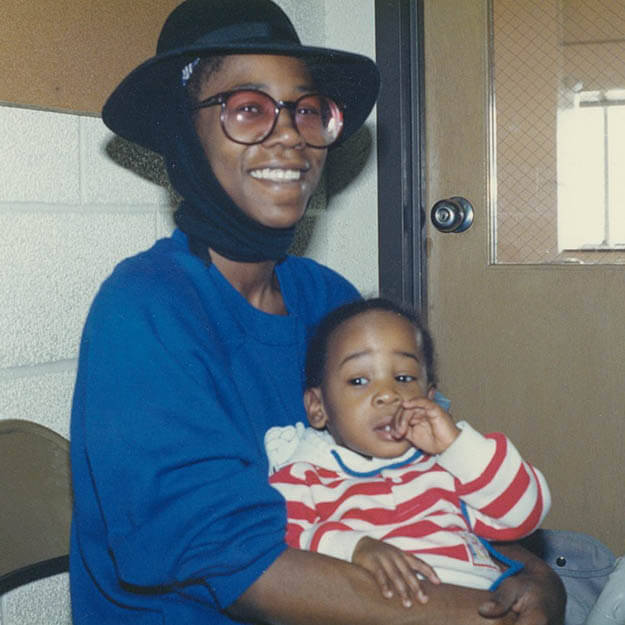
{"points": [[70, 54]]}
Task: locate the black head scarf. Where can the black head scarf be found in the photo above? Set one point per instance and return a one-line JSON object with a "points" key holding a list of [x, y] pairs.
{"points": [[207, 214]]}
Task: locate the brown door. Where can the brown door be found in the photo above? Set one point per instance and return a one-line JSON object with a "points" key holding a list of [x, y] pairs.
{"points": [[527, 306]]}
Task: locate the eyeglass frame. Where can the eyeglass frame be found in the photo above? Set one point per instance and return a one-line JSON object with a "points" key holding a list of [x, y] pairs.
{"points": [[290, 105]]}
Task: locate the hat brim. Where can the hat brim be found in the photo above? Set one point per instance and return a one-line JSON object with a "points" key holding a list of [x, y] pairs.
{"points": [[141, 103]]}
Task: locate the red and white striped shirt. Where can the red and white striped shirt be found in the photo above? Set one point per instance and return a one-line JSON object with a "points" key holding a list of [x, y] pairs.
{"points": [[336, 496]]}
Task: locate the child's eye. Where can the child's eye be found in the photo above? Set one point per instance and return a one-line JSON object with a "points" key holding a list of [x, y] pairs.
{"points": [[404, 377], [358, 381]]}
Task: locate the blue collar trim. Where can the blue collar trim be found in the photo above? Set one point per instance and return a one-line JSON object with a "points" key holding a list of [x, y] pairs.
{"points": [[395, 465]]}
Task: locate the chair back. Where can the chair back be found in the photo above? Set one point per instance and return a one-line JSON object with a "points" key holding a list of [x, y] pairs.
{"points": [[35, 503]]}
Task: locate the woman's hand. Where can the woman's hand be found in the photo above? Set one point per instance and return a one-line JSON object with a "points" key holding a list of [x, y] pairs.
{"points": [[536, 594], [393, 568], [425, 424]]}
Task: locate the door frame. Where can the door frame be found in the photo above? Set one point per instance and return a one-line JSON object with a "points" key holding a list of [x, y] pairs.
{"points": [[400, 152]]}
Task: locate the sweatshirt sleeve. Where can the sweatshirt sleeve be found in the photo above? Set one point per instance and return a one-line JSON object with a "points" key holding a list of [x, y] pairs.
{"points": [[309, 503], [506, 497], [180, 481]]}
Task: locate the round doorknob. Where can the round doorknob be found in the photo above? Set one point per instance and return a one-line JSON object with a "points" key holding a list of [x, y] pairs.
{"points": [[452, 215]]}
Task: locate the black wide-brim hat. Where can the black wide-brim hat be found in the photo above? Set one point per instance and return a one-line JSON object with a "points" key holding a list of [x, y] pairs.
{"points": [[138, 108]]}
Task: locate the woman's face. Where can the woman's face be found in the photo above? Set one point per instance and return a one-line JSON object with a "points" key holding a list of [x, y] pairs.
{"points": [[271, 181]]}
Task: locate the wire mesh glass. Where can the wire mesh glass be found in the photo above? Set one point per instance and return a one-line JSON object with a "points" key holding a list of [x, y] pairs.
{"points": [[558, 131]]}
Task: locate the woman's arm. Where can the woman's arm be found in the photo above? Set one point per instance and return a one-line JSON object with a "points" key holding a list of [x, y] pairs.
{"points": [[305, 588]]}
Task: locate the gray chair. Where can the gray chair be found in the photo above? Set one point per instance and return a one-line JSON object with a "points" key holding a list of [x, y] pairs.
{"points": [[35, 503]]}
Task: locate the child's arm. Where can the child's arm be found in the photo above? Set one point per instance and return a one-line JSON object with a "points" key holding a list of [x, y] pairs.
{"points": [[395, 569], [507, 498], [309, 529]]}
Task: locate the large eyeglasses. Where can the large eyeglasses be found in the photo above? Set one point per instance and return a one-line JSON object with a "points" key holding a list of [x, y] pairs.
{"points": [[248, 116]]}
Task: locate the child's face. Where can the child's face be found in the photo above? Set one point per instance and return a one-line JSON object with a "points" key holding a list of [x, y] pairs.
{"points": [[374, 363]]}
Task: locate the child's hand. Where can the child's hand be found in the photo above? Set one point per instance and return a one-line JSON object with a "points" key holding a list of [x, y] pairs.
{"points": [[425, 424], [394, 569]]}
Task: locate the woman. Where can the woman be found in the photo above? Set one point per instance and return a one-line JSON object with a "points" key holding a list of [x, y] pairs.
{"points": [[193, 349]]}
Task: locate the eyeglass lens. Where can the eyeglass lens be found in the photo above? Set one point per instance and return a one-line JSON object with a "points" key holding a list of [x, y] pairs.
{"points": [[250, 116]]}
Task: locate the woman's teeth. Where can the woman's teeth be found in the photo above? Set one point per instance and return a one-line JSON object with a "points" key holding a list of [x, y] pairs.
{"points": [[277, 175]]}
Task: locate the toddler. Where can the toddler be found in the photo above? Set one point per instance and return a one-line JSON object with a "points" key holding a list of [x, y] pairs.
{"points": [[384, 477]]}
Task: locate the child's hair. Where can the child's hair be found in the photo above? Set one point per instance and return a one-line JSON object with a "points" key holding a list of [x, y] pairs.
{"points": [[318, 345]]}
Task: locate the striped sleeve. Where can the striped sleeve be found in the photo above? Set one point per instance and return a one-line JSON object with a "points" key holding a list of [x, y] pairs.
{"points": [[310, 501], [507, 498]]}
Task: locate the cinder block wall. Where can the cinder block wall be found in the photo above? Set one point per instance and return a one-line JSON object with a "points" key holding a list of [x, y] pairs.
{"points": [[68, 214], [69, 211]]}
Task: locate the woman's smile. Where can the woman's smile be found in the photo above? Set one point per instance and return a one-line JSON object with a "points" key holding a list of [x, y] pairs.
{"points": [[277, 175]]}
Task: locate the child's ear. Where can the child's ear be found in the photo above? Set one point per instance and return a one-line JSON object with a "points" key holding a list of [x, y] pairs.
{"points": [[313, 402], [431, 392]]}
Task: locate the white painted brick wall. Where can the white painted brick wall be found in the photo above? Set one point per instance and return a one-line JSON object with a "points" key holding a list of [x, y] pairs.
{"points": [[352, 244], [69, 213], [40, 157], [45, 602]]}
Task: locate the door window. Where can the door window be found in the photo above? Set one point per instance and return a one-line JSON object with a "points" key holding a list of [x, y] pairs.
{"points": [[557, 131]]}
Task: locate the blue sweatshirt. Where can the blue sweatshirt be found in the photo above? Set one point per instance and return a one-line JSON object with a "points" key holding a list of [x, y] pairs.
{"points": [[178, 380]]}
